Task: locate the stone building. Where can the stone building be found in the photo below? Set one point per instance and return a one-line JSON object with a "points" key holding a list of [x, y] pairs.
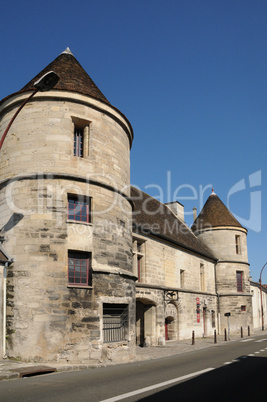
{"points": [[65, 187], [259, 305], [227, 239], [95, 266]]}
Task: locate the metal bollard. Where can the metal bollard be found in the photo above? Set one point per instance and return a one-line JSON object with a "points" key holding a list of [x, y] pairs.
{"points": [[193, 337], [248, 331], [241, 332], [225, 334], [215, 336]]}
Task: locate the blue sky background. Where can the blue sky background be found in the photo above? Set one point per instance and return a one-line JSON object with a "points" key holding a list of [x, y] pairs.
{"points": [[190, 75]]}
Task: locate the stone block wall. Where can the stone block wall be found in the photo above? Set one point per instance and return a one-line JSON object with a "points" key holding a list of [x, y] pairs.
{"points": [[47, 318]]}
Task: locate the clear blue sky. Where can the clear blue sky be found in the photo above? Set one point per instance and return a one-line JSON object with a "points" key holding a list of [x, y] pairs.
{"points": [[190, 75]]}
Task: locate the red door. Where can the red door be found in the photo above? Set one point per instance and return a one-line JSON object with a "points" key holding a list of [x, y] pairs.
{"points": [[166, 331]]}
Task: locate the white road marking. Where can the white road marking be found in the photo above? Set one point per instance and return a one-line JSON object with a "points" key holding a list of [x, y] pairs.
{"points": [[262, 350], [261, 340], [251, 354], [159, 385], [247, 340], [257, 353], [227, 363]]}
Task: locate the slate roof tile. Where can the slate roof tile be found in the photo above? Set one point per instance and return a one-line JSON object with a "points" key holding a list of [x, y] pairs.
{"points": [[151, 217]]}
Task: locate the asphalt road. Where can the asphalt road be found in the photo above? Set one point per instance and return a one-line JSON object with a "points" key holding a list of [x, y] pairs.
{"points": [[229, 372]]}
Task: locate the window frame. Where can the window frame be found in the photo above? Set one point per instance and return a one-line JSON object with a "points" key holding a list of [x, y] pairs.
{"points": [[80, 201], [238, 244], [239, 281], [82, 259], [182, 278], [139, 258], [202, 277], [78, 142]]}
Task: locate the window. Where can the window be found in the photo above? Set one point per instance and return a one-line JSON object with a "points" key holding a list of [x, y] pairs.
{"points": [[81, 138], [78, 142], [139, 253], [243, 308], [202, 278], [79, 268], [237, 244], [115, 322], [79, 208], [239, 281], [182, 275]]}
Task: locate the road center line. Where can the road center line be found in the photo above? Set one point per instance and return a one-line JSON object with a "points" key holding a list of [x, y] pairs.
{"points": [[159, 385]]}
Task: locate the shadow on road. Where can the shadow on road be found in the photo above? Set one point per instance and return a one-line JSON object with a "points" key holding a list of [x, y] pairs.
{"points": [[242, 380]]}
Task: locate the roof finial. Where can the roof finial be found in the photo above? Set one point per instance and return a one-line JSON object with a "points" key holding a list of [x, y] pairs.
{"points": [[67, 51], [212, 192]]}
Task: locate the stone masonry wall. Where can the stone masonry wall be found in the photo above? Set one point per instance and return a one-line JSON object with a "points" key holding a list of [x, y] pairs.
{"points": [[47, 319]]}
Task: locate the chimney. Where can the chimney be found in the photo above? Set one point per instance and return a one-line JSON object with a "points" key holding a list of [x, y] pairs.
{"points": [[176, 208], [194, 213]]}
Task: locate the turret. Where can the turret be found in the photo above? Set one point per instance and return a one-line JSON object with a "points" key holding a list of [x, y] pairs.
{"points": [[65, 209], [219, 230]]}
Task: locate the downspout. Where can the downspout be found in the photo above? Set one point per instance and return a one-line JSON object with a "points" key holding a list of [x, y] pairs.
{"points": [[4, 309], [218, 301], [7, 263]]}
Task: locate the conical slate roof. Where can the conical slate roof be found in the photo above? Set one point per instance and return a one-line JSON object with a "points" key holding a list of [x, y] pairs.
{"points": [[214, 214], [72, 77]]}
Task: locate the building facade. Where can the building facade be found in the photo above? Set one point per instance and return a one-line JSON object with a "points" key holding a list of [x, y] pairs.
{"points": [[96, 266]]}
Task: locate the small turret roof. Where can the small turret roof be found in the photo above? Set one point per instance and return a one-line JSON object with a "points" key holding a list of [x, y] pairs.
{"points": [[72, 77], [214, 214]]}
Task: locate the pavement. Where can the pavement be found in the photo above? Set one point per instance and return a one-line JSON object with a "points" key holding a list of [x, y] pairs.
{"points": [[13, 369]]}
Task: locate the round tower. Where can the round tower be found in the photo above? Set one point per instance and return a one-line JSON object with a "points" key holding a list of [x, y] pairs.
{"points": [[66, 221], [227, 239]]}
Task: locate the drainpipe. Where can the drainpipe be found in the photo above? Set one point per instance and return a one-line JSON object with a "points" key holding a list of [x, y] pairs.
{"points": [[218, 300], [4, 310]]}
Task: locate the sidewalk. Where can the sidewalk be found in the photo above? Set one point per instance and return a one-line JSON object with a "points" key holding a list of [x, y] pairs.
{"points": [[11, 369]]}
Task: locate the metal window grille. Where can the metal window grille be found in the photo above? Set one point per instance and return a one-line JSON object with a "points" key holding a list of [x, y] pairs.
{"points": [[115, 322], [78, 142], [79, 209]]}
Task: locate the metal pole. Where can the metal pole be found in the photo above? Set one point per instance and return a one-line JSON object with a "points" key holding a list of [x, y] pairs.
{"points": [[15, 115], [262, 319]]}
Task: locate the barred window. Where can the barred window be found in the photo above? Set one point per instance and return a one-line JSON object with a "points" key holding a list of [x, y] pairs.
{"points": [[78, 142], [115, 322]]}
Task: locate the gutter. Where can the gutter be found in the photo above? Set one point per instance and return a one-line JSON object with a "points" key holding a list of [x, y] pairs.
{"points": [[7, 263]]}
